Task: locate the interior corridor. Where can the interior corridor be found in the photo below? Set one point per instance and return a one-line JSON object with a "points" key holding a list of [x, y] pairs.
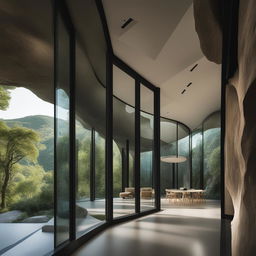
{"points": [[176, 230]]}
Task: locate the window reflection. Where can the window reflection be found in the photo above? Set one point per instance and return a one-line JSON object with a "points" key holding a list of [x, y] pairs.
{"points": [[123, 143]]}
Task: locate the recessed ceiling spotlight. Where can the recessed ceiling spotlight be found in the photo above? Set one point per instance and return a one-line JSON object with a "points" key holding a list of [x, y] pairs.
{"points": [[126, 23], [193, 67]]}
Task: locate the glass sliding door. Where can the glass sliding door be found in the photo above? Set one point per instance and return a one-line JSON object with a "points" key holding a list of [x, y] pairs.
{"points": [[62, 133], [147, 190], [123, 143]]}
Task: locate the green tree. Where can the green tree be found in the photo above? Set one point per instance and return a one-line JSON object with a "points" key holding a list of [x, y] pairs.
{"points": [[117, 170], [4, 98], [213, 176], [100, 166], [30, 185], [83, 167], [16, 144]]}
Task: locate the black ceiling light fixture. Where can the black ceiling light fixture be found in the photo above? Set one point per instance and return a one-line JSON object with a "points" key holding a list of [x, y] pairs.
{"points": [[183, 91], [189, 84], [126, 23], [193, 67]]}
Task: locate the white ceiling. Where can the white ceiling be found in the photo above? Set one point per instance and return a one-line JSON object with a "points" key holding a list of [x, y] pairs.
{"points": [[162, 45]]}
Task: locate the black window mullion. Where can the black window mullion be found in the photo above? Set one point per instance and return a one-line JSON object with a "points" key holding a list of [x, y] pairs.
{"points": [[190, 160], [72, 138], [137, 146], [202, 160], [156, 158], [123, 158], [177, 154], [127, 163], [109, 140], [173, 175], [92, 166]]}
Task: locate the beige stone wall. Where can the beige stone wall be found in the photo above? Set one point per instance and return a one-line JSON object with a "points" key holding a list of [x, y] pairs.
{"points": [[240, 141], [229, 208]]}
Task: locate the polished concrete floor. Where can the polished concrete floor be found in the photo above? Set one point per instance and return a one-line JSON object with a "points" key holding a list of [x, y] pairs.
{"points": [[15, 237], [178, 230], [121, 206]]}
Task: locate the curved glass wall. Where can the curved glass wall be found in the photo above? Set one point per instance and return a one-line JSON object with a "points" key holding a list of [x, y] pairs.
{"points": [[206, 156], [175, 141], [62, 134], [65, 186], [90, 144], [204, 151], [123, 144], [168, 148]]}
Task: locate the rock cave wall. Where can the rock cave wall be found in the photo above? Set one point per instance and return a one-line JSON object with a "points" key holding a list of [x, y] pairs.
{"points": [[240, 137]]}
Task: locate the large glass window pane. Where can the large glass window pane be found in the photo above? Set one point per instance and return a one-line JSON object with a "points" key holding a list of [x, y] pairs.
{"points": [[62, 133], [147, 191], [90, 115], [168, 148], [83, 167], [183, 150], [196, 158], [90, 145], [211, 133], [123, 144], [98, 208]]}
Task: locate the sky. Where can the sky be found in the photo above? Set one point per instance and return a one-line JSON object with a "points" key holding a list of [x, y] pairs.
{"points": [[25, 103]]}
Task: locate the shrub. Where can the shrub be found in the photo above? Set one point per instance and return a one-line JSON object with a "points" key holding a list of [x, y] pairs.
{"points": [[32, 205], [43, 201]]}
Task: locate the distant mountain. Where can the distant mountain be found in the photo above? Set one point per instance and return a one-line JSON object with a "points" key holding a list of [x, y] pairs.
{"points": [[44, 125]]}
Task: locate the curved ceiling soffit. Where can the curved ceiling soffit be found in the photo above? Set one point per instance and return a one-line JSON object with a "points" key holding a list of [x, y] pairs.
{"points": [[43, 87], [89, 32]]}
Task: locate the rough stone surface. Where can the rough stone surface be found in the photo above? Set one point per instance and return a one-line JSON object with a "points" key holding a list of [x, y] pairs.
{"points": [[240, 146], [207, 24], [241, 135]]}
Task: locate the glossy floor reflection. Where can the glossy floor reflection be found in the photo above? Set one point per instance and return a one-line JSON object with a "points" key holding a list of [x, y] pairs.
{"points": [[178, 230], [121, 206]]}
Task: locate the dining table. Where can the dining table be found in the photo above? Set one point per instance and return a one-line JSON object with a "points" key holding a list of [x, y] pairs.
{"points": [[189, 195]]}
